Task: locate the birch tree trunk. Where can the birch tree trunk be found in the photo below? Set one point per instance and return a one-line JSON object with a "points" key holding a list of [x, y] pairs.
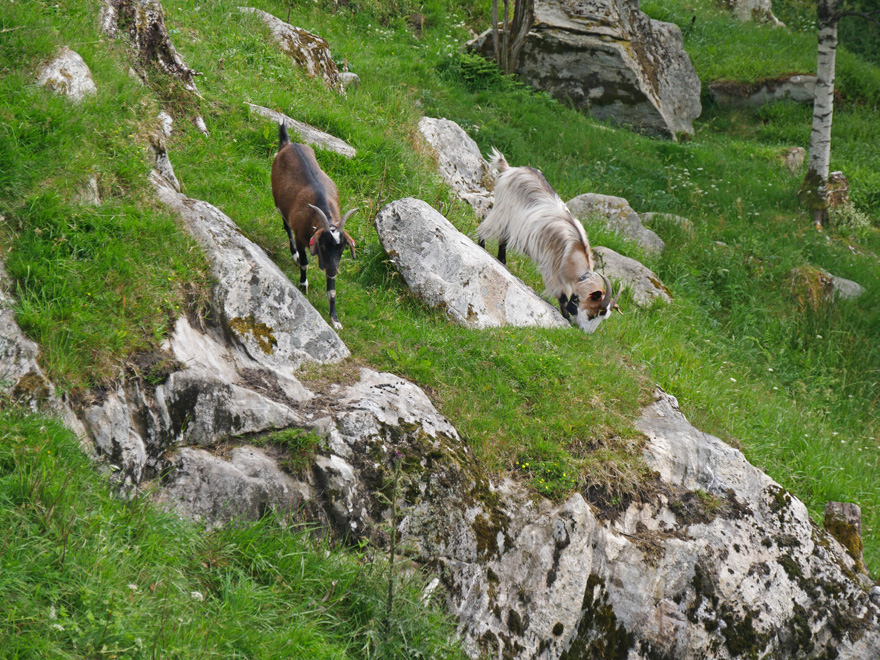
{"points": [[813, 191]]}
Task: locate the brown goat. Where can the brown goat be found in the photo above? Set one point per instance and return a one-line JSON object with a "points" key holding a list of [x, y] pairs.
{"points": [[308, 202]]}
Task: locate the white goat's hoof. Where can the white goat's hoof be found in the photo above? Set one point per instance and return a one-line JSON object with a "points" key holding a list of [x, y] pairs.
{"points": [[337, 325]]}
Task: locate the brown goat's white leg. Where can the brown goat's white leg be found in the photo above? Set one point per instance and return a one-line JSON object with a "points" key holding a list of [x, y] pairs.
{"points": [[302, 258], [331, 299], [291, 241]]}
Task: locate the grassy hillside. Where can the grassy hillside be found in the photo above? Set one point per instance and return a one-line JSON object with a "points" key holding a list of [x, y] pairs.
{"points": [[86, 575], [753, 356]]}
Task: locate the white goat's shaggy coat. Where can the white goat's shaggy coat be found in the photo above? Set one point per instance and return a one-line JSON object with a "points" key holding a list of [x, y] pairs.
{"points": [[531, 218]]}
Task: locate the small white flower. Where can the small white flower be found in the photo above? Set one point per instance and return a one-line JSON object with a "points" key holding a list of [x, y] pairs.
{"points": [[56, 626], [197, 595], [733, 379], [775, 388], [769, 368], [133, 587], [818, 336]]}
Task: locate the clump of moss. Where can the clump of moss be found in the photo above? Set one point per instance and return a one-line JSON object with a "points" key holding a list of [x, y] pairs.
{"points": [[262, 333], [598, 634]]}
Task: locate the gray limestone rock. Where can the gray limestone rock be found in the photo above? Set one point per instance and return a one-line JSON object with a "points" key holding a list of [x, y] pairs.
{"points": [[619, 216], [645, 287], [22, 380], [793, 159], [717, 557], [244, 487], [265, 313], [844, 288], [89, 194], [308, 50], [69, 75], [652, 219], [758, 11], [461, 163], [799, 88], [611, 60], [309, 134], [350, 80], [843, 520], [448, 270]]}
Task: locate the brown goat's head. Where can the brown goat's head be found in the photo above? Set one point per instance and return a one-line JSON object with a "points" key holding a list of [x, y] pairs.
{"points": [[596, 301], [329, 241]]}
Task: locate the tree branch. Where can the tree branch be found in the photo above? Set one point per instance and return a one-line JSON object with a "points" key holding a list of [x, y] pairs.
{"points": [[867, 15]]}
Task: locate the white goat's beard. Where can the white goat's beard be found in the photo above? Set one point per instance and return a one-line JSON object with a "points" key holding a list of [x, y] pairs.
{"points": [[589, 325]]}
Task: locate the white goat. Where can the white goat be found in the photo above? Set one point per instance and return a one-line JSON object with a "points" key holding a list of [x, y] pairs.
{"points": [[531, 218]]}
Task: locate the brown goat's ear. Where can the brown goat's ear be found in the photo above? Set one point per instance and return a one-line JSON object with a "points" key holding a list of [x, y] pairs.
{"points": [[351, 244], [313, 244]]}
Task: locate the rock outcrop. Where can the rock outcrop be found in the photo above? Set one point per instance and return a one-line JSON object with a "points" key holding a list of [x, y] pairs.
{"points": [[69, 75], [758, 11], [814, 287], [611, 60], [460, 162], [308, 134], [619, 216], [800, 88], [22, 380], [714, 560], [645, 287], [793, 159], [233, 377], [308, 50], [448, 270]]}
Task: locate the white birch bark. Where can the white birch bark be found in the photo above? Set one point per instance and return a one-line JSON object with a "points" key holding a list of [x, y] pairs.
{"points": [[814, 188]]}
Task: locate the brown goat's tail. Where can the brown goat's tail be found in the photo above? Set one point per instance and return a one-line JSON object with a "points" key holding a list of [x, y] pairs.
{"points": [[282, 133], [497, 161]]}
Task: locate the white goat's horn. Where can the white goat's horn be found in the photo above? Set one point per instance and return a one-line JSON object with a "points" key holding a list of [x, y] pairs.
{"points": [[604, 304], [324, 218], [346, 217]]}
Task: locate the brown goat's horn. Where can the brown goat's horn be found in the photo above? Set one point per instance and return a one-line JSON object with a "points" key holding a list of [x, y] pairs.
{"points": [[346, 217], [324, 219]]}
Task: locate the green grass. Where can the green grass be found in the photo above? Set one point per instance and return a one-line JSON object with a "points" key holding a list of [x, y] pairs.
{"points": [[751, 359], [84, 574]]}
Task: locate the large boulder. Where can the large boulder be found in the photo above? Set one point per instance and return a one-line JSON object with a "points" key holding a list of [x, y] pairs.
{"points": [[308, 50], [448, 270], [266, 314], [611, 60], [645, 287], [69, 75], [618, 216], [460, 162], [758, 11]]}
